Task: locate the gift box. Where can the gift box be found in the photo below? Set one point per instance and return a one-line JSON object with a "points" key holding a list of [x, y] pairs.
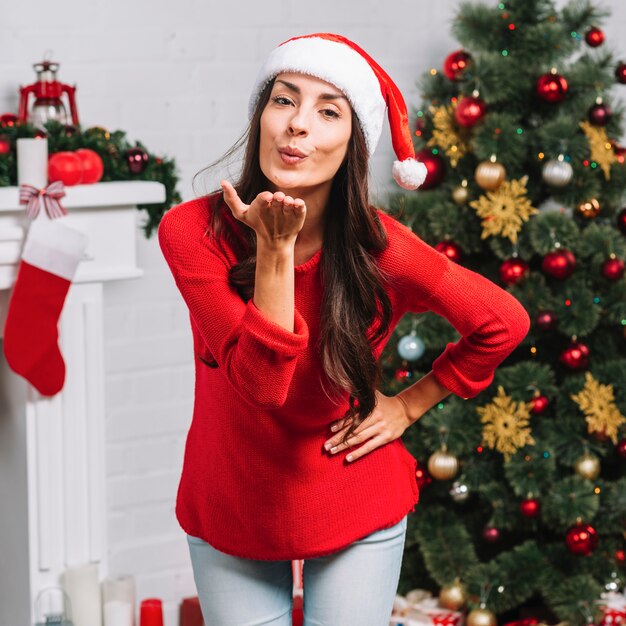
{"points": [[613, 606], [419, 608]]}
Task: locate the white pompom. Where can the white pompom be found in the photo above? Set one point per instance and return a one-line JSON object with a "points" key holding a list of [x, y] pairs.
{"points": [[409, 174]]}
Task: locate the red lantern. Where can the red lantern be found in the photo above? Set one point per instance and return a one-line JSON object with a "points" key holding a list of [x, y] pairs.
{"points": [[613, 269], [581, 539], [552, 87], [92, 165], [513, 270], [575, 356], [450, 249], [469, 111], [66, 167], [594, 37], [435, 168], [530, 507], [456, 64], [539, 404], [559, 264], [545, 320]]}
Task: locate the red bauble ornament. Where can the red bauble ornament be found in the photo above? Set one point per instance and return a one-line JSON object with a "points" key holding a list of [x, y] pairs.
{"points": [[621, 448], [137, 160], [581, 539], [530, 507], [621, 221], [545, 320], [5, 145], [450, 249], [552, 87], [539, 404], [92, 165], [491, 534], [456, 64], [600, 114], [513, 270], [619, 152], [403, 374], [559, 264], [613, 269], [620, 73], [8, 120], [469, 111], [575, 356], [435, 168], [422, 476], [620, 557], [594, 37], [65, 166]]}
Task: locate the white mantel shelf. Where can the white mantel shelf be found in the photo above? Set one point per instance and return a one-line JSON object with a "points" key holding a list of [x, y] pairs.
{"points": [[52, 460]]}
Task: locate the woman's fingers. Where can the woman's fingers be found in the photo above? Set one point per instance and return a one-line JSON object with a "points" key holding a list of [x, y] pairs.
{"points": [[232, 199]]}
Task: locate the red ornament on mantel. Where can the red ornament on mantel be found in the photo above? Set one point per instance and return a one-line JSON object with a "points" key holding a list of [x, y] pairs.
{"points": [[513, 270], [581, 539], [469, 111], [65, 166], [552, 87], [5, 145], [137, 160], [613, 269], [456, 64], [450, 249], [92, 165], [530, 507], [435, 168], [559, 264], [8, 120], [545, 320], [575, 356], [594, 37]]}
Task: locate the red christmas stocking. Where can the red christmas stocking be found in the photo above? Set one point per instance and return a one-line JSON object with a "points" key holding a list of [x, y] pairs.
{"points": [[49, 260]]}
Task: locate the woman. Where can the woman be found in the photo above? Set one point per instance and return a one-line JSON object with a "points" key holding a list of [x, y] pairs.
{"points": [[294, 283]]}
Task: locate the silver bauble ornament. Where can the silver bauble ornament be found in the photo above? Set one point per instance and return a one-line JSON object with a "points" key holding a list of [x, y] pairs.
{"points": [[557, 172], [550, 205], [587, 466], [459, 491], [411, 347]]}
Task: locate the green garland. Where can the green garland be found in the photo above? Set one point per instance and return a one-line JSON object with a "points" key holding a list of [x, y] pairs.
{"points": [[111, 146]]}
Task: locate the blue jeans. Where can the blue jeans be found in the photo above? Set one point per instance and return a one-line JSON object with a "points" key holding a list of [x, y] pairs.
{"points": [[356, 585]]}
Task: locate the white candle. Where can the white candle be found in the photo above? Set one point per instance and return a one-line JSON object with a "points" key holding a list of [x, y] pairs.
{"points": [[118, 613], [32, 161], [81, 585]]}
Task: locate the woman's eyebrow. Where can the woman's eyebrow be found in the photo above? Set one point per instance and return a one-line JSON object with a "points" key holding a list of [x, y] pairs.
{"points": [[323, 96]]}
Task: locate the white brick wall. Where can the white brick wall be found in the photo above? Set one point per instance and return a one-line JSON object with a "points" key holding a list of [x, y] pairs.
{"points": [[176, 75]]}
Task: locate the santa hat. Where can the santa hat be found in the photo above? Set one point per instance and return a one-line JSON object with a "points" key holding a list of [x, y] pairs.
{"points": [[367, 86]]}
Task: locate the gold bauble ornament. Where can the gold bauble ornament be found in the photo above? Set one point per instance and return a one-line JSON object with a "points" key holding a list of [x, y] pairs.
{"points": [[587, 466], [98, 132], [453, 596], [589, 209], [460, 194], [442, 465], [490, 175], [481, 617]]}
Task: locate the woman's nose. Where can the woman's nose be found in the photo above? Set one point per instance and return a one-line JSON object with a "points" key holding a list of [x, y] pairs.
{"points": [[298, 124]]}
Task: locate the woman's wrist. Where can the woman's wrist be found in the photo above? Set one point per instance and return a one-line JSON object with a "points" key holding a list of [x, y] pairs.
{"points": [[422, 396]]}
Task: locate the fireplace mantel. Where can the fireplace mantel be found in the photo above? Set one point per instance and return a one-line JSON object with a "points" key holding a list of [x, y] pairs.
{"points": [[52, 471]]}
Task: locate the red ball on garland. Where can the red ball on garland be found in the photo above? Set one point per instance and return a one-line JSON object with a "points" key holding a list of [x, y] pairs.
{"points": [[137, 160], [581, 539], [621, 221], [70, 130], [594, 37], [552, 87], [513, 270], [600, 114], [5, 145], [613, 269], [65, 166], [435, 168], [620, 73], [8, 120], [450, 249], [92, 165], [422, 476], [575, 356], [530, 507], [491, 534], [539, 404], [469, 111], [456, 64], [545, 320], [559, 264], [621, 448]]}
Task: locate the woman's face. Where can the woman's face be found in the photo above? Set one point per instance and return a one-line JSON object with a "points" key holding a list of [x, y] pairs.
{"points": [[309, 117]]}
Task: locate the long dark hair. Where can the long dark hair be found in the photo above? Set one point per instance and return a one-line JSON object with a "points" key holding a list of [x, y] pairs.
{"points": [[356, 311]]}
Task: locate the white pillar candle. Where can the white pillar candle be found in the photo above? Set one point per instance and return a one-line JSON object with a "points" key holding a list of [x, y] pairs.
{"points": [[32, 161], [83, 588], [118, 613]]}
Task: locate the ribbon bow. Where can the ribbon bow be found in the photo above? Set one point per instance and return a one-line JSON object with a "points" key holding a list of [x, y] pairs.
{"points": [[49, 195]]}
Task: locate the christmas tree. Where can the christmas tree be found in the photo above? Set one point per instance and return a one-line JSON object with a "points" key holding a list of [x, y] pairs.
{"points": [[523, 488]]}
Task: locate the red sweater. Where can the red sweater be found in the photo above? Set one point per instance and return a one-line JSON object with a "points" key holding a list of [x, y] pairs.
{"points": [[256, 481]]}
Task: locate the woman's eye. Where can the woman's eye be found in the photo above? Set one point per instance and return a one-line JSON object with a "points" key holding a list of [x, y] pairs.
{"points": [[281, 100], [331, 113]]}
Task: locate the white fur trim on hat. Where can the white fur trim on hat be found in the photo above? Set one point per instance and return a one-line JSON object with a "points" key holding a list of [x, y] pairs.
{"points": [[409, 174], [337, 64]]}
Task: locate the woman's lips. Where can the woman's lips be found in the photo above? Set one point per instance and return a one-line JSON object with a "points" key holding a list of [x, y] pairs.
{"points": [[290, 159]]}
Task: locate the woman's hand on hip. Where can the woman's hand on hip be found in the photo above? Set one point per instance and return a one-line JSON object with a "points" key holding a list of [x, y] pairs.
{"points": [[384, 424], [276, 218]]}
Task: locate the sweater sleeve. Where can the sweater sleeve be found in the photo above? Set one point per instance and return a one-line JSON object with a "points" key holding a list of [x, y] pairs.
{"points": [[257, 356], [489, 319]]}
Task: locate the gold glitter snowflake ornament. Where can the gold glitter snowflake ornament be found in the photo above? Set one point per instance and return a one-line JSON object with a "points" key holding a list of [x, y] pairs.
{"points": [[601, 149], [446, 134], [507, 425], [597, 402], [504, 210]]}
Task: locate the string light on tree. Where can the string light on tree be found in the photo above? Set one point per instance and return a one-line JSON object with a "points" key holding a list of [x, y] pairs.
{"points": [[587, 466]]}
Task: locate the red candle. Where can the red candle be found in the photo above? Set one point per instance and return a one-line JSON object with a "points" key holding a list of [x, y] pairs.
{"points": [[151, 612]]}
